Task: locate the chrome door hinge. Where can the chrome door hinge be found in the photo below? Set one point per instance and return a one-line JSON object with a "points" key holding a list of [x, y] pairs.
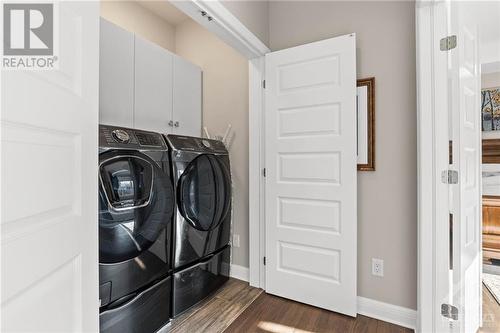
{"points": [[449, 311], [448, 43], [450, 152], [264, 261], [264, 172], [264, 84], [449, 177]]}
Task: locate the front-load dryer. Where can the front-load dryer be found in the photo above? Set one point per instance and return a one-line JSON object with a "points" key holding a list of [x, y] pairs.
{"points": [[202, 221], [136, 204]]}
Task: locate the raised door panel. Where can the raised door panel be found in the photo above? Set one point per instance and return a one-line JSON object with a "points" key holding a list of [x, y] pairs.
{"points": [[153, 87], [116, 70], [187, 95]]}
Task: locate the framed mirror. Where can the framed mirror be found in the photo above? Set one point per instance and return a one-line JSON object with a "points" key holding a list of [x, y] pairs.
{"points": [[365, 104]]}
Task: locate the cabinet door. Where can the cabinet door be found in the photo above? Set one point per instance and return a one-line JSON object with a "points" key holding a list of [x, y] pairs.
{"points": [[116, 71], [153, 87], [187, 98]]}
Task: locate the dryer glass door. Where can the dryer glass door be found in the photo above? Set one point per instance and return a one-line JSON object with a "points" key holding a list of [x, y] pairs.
{"points": [[205, 192]]}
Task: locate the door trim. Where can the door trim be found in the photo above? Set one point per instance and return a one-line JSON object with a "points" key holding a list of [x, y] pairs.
{"points": [[432, 131], [256, 180], [223, 24]]}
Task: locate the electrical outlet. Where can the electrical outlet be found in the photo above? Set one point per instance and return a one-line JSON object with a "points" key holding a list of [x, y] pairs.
{"points": [[377, 267], [236, 240]]}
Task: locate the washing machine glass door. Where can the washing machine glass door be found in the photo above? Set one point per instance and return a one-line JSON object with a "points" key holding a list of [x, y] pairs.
{"points": [[136, 204], [205, 192]]}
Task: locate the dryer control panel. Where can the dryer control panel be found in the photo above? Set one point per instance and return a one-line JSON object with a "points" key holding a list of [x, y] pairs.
{"points": [[127, 138], [202, 145]]}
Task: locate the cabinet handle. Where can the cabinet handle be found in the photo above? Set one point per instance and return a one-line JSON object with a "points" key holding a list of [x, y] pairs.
{"points": [[171, 123], [176, 124]]}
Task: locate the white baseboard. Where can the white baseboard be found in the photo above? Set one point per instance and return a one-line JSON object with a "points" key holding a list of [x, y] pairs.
{"points": [[387, 312], [368, 307], [239, 272]]}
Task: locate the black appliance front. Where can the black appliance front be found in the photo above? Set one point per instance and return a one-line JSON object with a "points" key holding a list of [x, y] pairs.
{"points": [[136, 204], [203, 220], [196, 282], [147, 311]]}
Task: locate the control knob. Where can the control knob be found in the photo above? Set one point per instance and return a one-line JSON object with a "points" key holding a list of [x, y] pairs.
{"points": [[120, 136]]}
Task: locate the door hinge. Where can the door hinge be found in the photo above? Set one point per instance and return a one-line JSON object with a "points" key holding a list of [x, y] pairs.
{"points": [[264, 84], [264, 172], [450, 152], [449, 311], [448, 43], [449, 177], [264, 261]]}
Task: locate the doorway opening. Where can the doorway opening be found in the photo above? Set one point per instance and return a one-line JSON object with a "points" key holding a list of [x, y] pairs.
{"points": [[457, 42], [490, 134]]}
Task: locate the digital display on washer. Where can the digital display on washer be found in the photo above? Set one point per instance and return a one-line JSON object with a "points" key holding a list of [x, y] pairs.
{"points": [[146, 139]]}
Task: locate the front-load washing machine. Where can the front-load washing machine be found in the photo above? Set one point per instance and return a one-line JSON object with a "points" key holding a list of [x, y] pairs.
{"points": [[136, 204], [202, 221]]}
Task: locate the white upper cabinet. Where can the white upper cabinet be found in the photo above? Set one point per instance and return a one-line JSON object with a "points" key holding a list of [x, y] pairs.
{"points": [[116, 76], [145, 86], [187, 97], [153, 87]]}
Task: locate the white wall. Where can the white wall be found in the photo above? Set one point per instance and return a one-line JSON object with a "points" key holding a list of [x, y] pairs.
{"points": [[225, 101], [387, 198], [134, 18]]}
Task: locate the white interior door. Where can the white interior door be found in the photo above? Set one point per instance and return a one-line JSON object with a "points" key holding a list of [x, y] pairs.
{"points": [[311, 200], [49, 257], [465, 115]]}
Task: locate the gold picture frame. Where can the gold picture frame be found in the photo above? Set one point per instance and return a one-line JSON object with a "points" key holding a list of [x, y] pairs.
{"points": [[366, 141]]}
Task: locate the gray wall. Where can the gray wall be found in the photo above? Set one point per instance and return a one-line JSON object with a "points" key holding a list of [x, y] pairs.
{"points": [[387, 198], [253, 14]]}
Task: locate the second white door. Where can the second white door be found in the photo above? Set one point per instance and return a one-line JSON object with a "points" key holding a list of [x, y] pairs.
{"points": [[311, 197]]}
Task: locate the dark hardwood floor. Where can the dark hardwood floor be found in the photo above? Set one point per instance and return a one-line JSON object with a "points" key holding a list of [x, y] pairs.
{"points": [[218, 311], [272, 314], [491, 313], [239, 308]]}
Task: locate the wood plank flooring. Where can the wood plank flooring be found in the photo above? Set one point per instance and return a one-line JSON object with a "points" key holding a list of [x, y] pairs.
{"points": [[216, 313], [239, 308], [274, 314], [491, 313]]}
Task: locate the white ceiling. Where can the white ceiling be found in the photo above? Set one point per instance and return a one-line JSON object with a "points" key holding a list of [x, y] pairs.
{"points": [[165, 10]]}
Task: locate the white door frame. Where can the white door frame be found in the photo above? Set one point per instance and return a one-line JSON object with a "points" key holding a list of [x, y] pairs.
{"points": [[427, 141], [433, 150], [229, 29]]}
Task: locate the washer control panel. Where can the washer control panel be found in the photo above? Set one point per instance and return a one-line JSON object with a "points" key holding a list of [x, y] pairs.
{"points": [[119, 137]]}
